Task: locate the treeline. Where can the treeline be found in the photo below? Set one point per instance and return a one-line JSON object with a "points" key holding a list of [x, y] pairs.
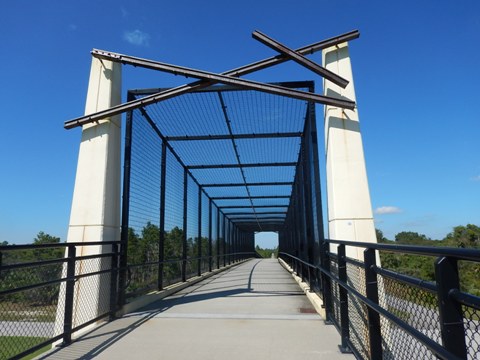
{"points": [[9, 279], [422, 267], [143, 254], [266, 253]]}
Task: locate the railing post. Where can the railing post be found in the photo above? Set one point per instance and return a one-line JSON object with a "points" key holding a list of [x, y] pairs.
{"points": [[344, 320], [371, 287], [69, 294], [326, 282], [451, 316], [113, 281]]}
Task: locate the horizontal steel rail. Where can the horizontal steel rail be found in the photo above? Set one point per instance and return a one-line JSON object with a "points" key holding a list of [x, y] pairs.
{"points": [[249, 197], [234, 136], [409, 280], [277, 183], [457, 253], [244, 70], [249, 207], [242, 165], [466, 299], [55, 245]]}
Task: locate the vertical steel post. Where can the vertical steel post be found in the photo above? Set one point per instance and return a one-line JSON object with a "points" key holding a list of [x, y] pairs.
{"points": [[315, 177], [199, 237], [122, 282], [371, 286], [113, 281], [184, 235], [344, 320], [218, 239], [69, 295], [224, 241], [326, 283], [161, 243], [451, 316], [210, 235]]}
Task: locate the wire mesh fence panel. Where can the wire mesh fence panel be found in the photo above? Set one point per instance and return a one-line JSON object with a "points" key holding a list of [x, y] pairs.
{"points": [[399, 344], [192, 226], [95, 287], [357, 311], [471, 323], [144, 207], [416, 307], [335, 294], [214, 236], [174, 203]]}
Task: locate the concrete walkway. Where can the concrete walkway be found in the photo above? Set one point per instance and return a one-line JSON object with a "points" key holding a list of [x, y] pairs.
{"points": [[252, 311]]}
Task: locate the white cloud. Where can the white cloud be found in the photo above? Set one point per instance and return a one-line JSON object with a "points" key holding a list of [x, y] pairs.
{"points": [[136, 37], [476, 178], [124, 12], [382, 210]]}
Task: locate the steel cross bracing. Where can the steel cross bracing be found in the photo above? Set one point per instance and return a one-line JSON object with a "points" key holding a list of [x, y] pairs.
{"points": [[253, 177], [244, 70]]}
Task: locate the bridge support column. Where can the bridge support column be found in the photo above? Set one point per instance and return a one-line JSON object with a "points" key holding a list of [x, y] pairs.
{"points": [[95, 212], [350, 214]]}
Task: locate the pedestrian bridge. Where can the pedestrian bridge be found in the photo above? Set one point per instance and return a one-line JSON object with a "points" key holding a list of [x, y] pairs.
{"points": [[204, 167]]}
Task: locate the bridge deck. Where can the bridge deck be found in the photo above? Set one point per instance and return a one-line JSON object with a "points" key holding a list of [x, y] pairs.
{"points": [[252, 311]]}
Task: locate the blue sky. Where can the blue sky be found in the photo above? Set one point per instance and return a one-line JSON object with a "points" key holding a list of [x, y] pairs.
{"points": [[416, 69]]}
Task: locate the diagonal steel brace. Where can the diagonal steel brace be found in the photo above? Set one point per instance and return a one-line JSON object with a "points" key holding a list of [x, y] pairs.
{"points": [[300, 59], [167, 94]]}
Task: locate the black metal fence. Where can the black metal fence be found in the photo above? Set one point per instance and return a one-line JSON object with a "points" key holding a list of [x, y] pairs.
{"points": [[39, 286], [382, 314]]}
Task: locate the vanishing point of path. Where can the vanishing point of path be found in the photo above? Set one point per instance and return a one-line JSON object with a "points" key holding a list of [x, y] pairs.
{"points": [[251, 311]]}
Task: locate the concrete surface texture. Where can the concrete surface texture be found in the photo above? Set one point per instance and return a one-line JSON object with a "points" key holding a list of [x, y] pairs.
{"points": [[252, 311]]}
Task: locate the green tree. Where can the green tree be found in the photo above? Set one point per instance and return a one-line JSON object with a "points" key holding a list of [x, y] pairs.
{"points": [[380, 237], [411, 238], [464, 236]]}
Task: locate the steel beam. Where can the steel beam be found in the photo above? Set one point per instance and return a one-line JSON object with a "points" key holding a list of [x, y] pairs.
{"points": [[258, 213], [234, 166], [250, 197], [249, 207], [300, 59], [224, 79], [233, 136], [278, 183], [246, 69]]}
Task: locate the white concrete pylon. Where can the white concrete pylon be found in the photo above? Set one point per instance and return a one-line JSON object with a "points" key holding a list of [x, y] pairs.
{"points": [[350, 214], [95, 212]]}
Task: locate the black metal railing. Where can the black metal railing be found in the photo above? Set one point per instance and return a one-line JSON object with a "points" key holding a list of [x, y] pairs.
{"points": [[382, 314], [143, 278], [40, 285]]}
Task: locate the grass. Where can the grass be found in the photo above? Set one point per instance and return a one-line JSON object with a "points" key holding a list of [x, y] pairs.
{"points": [[13, 345]]}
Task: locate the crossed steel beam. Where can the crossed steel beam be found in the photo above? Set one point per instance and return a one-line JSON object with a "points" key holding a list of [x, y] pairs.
{"points": [[229, 77]]}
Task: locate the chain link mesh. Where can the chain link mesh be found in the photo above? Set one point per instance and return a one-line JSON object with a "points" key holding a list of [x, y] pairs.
{"points": [[471, 318]]}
